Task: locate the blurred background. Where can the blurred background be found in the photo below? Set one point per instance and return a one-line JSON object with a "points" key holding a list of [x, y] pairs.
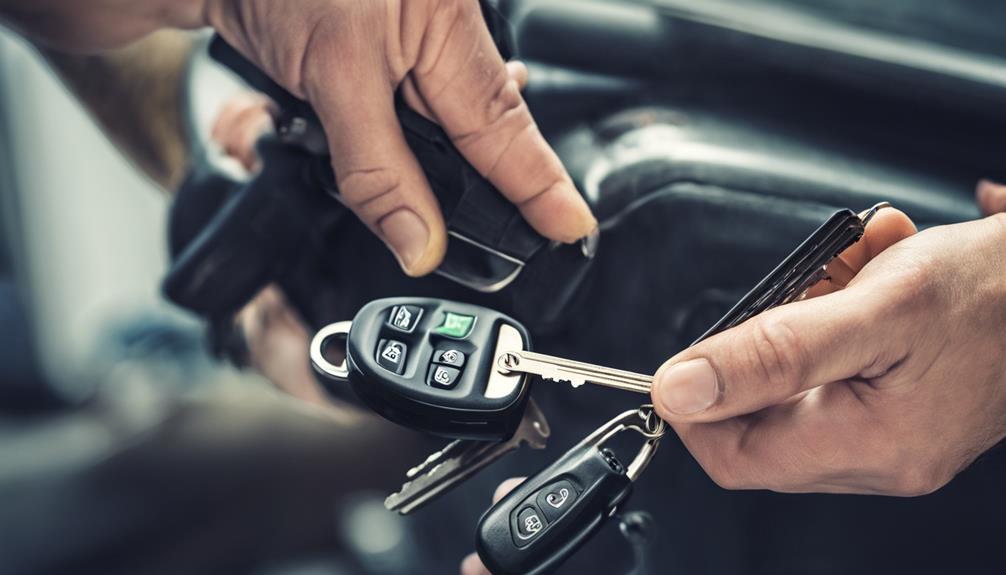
{"points": [[709, 136], [84, 227]]}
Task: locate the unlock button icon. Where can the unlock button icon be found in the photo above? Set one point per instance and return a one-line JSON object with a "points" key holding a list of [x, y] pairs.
{"points": [[555, 499]]}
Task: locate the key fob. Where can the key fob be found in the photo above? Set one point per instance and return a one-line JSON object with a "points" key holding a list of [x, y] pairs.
{"points": [[427, 364], [547, 518]]}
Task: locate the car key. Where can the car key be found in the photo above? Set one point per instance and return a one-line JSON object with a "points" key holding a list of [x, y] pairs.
{"points": [[428, 364], [462, 459], [788, 282], [538, 525]]}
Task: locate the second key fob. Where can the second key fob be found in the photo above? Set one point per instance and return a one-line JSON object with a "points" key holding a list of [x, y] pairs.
{"points": [[428, 364]]}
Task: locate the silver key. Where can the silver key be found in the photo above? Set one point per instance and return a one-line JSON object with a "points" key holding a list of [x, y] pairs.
{"points": [[462, 459], [576, 373]]}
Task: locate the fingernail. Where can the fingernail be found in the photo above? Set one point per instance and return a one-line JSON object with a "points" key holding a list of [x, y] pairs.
{"points": [[688, 388], [406, 235]]}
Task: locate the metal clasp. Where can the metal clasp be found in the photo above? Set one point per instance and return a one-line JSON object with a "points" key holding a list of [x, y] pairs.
{"points": [[644, 421]]}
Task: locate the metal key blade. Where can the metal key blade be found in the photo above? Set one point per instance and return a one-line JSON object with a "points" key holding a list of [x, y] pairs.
{"points": [[462, 459], [576, 372]]}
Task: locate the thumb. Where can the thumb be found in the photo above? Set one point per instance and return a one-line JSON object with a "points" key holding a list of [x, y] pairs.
{"points": [[378, 176], [768, 359], [477, 100]]}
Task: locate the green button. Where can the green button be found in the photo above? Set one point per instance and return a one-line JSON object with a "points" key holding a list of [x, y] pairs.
{"points": [[456, 325]]}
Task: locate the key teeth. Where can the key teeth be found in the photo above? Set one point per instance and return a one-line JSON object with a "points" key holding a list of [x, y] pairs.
{"points": [[391, 503], [430, 460], [459, 460]]}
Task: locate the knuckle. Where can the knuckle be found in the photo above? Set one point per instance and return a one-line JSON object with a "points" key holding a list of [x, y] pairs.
{"points": [[502, 116], [909, 471], [998, 220], [916, 481], [364, 186], [725, 473], [778, 354], [918, 288], [723, 477], [504, 98]]}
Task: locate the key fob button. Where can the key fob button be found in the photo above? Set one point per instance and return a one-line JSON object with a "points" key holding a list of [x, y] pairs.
{"points": [[405, 317], [555, 499], [529, 523], [443, 377], [451, 357], [455, 325], [391, 355]]}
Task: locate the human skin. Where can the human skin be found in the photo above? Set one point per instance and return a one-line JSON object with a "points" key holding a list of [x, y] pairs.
{"points": [[276, 337], [865, 389], [738, 429], [890, 381], [348, 58]]}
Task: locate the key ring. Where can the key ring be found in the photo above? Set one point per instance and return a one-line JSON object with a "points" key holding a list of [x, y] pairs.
{"points": [[324, 367], [653, 427]]}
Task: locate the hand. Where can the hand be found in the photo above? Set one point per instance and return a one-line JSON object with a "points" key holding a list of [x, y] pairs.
{"points": [[276, 339], [889, 385], [273, 333], [349, 57], [242, 121]]}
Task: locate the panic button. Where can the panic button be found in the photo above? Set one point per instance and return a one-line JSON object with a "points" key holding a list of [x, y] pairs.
{"points": [[456, 325]]}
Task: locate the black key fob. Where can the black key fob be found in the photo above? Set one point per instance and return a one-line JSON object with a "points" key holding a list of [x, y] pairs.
{"points": [[547, 518], [427, 364]]}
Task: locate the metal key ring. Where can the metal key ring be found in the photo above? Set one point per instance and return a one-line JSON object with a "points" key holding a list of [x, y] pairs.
{"points": [[653, 426], [324, 367]]}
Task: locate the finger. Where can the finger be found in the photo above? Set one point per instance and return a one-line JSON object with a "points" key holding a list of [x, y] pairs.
{"points": [[240, 124], [506, 487], [377, 174], [276, 338], [480, 106], [991, 197], [515, 69], [472, 565], [229, 112], [771, 358], [225, 118], [253, 124], [887, 228], [822, 441], [414, 99]]}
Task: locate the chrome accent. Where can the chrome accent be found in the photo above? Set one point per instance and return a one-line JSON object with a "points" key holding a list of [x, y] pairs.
{"points": [[502, 384], [323, 366], [476, 285]]}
